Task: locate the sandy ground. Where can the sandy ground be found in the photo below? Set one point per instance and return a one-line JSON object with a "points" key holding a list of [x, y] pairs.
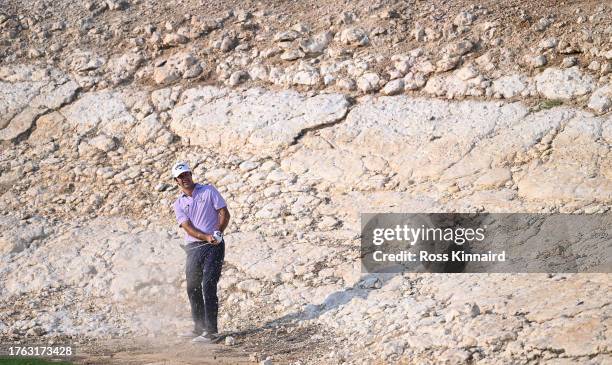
{"points": [[285, 343], [159, 351]]}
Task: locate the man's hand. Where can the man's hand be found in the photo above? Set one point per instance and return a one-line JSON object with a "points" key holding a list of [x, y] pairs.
{"points": [[209, 238], [196, 233]]}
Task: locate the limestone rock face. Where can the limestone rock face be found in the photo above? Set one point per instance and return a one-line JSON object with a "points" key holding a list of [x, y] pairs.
{"points": [[21, 236], [28, 95], [424, 140], [579, 164], [86, 219], [118, 276], [410, 132], [104, 111], [48, 127], [256, 119]]}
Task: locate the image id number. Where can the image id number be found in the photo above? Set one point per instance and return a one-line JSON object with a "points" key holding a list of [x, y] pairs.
{"points": [[40, 351]]}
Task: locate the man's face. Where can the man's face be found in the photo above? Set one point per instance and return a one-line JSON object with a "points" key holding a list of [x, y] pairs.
{"points": [[184, 181]]}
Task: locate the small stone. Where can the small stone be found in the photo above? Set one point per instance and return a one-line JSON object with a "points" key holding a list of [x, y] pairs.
{"points": [[467, 72], [472, 309], [548, 43], [354, 36], [417, 52], [347, 17], [347, 84], [230, 341], [272, 191], [259, 72], [418, 33], [459, 48], [251, 285], [388, 14], [542, 24], [174, 39], [414, 81], [371, 282], [103, 143], [538, 61], [117, 4], [165, 75], [464, 18], [34, 53], [368, 82], [301, 27], [601, 99], [238, 78], [35, 331], [447, 64], [394, 74], [180, 65], [271, 52], [57, 26], [286, 36], [594, 66], [280, 176], [268, 166], [227, 44], [248, 166], [307, 77], [316, 44], [292, 55], [270, 211], [569, 61], [403, 66], [509, 86], [327, 223], [161, 99], [393, 87], [243, 15], [161, 187]]}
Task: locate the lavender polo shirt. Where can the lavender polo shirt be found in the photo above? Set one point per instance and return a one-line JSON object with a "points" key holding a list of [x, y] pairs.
{"points": [[200, 208]]}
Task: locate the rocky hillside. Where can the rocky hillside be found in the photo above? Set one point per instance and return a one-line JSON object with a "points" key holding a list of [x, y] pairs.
{"points": [[303, 114]]}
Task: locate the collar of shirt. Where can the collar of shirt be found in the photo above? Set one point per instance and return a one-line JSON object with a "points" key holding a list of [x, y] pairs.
{"points": [[196, 188]]}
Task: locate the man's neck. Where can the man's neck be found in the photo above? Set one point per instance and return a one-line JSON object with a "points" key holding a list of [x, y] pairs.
{"points": [[189, 192]]}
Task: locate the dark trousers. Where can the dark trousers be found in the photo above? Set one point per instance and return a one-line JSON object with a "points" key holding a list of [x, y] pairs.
{"points": [[203, 270]]}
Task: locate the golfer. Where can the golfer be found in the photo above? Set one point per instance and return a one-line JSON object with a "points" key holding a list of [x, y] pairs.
{"points": [[202, 212]]}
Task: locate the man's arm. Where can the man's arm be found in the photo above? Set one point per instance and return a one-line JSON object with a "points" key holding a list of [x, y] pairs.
{"points": [[196, 233], [224, 217]]}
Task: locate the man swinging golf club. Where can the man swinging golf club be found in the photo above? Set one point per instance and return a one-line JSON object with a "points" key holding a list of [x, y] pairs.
{"points": [[202, 212]]}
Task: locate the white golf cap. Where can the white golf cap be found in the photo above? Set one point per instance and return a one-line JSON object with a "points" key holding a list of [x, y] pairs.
{"points": [[179, 168]]}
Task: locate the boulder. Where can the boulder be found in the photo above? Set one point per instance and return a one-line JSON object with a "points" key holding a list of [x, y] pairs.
{"points": [[564, 84]]}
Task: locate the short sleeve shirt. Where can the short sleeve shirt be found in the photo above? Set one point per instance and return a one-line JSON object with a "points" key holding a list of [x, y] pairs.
{"points": [[200, 208]]}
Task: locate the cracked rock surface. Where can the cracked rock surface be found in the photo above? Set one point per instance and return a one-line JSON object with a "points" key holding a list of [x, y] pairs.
{"points": [[303, 117]]}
